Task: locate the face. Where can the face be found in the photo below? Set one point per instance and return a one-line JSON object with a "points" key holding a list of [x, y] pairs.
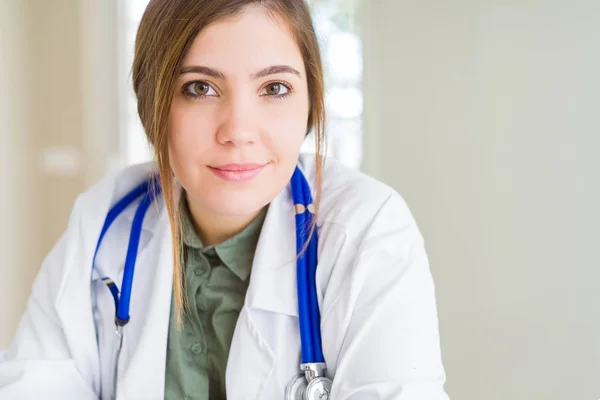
{"points": [[239, 114]]}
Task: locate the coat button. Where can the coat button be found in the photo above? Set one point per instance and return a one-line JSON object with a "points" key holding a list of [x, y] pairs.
{"points": [[199, 271], [197, 348]]}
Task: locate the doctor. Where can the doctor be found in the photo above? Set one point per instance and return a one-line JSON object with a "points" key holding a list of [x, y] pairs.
{"points": [[226, 93]]}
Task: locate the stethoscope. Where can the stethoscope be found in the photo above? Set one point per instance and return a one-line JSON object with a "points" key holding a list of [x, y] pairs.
{"points": [[311, 384]]}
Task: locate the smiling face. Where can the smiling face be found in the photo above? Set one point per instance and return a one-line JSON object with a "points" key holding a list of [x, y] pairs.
{"points": [[239, 114]]}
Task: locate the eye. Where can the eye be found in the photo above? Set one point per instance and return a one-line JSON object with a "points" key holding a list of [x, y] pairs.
{"points": [[277, 89], [199, 89]]}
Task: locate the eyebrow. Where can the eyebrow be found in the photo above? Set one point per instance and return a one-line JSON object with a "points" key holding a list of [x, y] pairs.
{"points": [[274, 69]]}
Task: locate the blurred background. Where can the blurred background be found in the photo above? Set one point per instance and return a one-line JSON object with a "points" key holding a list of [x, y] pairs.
{"points": [[484, 115]]}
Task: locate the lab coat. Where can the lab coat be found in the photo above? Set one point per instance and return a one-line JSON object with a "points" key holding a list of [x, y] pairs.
{"points": [[376, 295]]}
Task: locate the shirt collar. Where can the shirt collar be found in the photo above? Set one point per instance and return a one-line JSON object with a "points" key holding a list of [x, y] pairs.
{"points": [[237, 252]]}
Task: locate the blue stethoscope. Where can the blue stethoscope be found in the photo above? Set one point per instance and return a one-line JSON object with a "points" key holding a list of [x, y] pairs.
{"points": [[311, 384]]}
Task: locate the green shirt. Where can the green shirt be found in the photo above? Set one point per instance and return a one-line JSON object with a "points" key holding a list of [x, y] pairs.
{"points": [[216, 279]]}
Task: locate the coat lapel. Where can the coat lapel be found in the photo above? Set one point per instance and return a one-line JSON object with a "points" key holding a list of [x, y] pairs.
{"points": [[145, 337], [273, 278], [265, 350]]}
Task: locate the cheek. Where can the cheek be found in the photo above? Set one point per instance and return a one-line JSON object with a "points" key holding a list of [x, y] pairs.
{"points": [[189, 133], [285, 128]]}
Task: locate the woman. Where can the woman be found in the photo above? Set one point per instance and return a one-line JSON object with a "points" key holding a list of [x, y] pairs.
{"points": [[227, 91]]}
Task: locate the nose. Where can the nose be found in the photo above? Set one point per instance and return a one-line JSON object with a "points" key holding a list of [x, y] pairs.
{"points": [[239, 126]]}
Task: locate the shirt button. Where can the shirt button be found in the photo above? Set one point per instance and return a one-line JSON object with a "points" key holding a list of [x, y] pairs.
{"points": [[199, 271], [197, 348]]}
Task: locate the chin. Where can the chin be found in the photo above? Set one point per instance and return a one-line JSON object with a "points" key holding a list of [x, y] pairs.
{"points": [[237, 204]]}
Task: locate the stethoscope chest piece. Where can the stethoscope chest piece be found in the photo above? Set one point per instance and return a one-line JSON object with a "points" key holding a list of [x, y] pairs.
{"points": [[318, 389], [296, 388]]}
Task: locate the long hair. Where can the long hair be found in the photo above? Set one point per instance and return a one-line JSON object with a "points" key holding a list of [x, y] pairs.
{"points": [[165, 34]]}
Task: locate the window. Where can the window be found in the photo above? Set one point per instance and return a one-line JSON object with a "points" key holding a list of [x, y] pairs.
{"points": [[337, 25], [134, 146]]}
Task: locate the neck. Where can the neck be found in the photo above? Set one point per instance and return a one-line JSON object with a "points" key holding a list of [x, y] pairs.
{"points": [[213, 228]]}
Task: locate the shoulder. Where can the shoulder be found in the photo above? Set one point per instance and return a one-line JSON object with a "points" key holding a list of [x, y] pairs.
{"points": [[92, 206], [357, 203], [115, 185]]}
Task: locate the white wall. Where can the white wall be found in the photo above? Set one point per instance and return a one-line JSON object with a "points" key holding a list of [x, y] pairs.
{"points": [[59, 127], [485, 115], [19, 243]]}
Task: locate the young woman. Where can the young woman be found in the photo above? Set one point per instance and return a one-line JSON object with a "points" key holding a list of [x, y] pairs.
{"points": [[214, 247]]}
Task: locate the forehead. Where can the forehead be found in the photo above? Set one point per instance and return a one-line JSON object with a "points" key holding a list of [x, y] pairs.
{"points": [[248, 41]]}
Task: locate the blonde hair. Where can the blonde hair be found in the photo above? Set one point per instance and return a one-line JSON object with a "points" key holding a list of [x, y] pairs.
{"points": [[165, 34]]}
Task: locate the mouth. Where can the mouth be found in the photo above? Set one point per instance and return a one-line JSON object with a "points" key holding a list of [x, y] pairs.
{"points": [[237, 172]]}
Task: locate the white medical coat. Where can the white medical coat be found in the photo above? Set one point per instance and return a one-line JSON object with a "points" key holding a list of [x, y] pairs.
{"points": [[376, 295]]}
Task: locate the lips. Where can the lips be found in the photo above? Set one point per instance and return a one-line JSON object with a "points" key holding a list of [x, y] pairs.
{"points": [[238, 167], [237, 172]]}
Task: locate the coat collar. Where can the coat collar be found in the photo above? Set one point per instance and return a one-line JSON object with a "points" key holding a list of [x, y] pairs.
{"points": [[273, 278], [269, 311]]}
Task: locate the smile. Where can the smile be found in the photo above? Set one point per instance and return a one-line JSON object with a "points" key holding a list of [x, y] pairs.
{"points": [[237, 172]]}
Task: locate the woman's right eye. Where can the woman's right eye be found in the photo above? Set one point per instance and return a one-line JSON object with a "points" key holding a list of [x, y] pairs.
{"points": [[199, 89]]}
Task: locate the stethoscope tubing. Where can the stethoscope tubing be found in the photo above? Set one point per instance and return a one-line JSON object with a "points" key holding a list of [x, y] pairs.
{"points": [[308, 307]]}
